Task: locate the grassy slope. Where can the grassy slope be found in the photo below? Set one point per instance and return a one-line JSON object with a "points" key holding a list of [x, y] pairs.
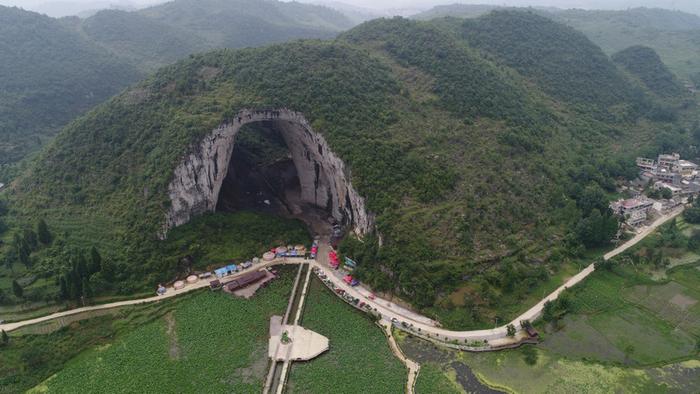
{"points": [[359, 359], [210, 340]]}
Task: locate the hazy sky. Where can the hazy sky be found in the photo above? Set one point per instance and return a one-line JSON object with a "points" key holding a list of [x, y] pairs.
{"points": [[418, 5]]}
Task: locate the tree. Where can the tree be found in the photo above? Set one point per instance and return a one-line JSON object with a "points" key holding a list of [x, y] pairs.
{"points": [[666, 193], [17, 289], [592, 197], [510, 330], [628, 350], [4, 338], [692, 215], [10, 258], [63, 292], [596, 229], [87, 290], [529, 354], [43, 233], [548, 311], [31, 239], [22, 250], [603, 264], [95, 261], [694, 241]]}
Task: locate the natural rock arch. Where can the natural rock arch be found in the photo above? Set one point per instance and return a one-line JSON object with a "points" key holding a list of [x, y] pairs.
{"points": [[198, 179]]}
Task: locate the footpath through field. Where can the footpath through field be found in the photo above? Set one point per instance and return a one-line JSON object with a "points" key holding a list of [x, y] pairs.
{"points": [[389, 312]]}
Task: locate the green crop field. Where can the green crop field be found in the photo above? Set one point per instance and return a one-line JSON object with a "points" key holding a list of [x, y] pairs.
{"points": [[508, 370], [208, 342], [359, 359]]}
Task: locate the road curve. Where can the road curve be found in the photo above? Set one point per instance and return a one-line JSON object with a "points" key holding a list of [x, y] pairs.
{"points": [[383, 307]]}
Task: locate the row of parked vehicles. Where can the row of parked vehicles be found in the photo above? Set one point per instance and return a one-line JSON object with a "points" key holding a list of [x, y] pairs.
{"points": [[342, 293]]}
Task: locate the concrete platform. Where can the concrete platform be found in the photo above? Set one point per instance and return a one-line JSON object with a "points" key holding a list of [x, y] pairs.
{"points": [[305, 344]]}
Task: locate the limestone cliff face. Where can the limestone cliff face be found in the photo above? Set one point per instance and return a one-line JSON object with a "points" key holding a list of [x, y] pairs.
{"points": [[197, 180]]}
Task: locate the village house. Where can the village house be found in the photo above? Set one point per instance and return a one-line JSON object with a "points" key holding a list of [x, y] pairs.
{"points": [[634, 210], [668, 168], [675, 190]]}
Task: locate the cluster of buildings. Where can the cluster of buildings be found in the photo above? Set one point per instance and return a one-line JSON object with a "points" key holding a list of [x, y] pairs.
{"points": [[678, 178], [670, 172]]}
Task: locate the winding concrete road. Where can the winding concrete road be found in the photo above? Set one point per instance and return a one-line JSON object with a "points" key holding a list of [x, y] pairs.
{"points": [[169, 294], [496, 336]]}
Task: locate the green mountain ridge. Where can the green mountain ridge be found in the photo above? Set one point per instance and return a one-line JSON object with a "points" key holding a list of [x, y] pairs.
{"points": [[487, 172], [48, 76], [674, 35], [56, 69], [644, 63]]}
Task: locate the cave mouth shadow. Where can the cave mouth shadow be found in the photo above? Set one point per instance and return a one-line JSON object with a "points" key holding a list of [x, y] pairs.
{"points": [[262, 176]]}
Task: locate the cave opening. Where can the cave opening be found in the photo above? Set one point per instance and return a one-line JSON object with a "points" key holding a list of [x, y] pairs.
{"points": [[265, 176]]}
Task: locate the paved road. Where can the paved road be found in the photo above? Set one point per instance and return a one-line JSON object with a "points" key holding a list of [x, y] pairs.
{"points": [[495, 336], [388, 311], [169, 294]]}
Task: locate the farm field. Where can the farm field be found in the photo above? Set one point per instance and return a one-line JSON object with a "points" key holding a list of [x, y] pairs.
{"points": [[508, 371], [36, 352], [617, 318], [632, 328], [359, 359], [432, 379], [223, 339]]}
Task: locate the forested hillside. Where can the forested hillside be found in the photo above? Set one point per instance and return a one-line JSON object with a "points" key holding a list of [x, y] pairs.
{"points": [[643, 63], [557, 58], [53, 70], [142, 41], [674, 35], [48, 76], [488, 168], [159, 35]]}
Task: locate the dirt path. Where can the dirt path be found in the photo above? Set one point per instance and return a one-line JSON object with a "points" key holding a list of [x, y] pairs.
{"points": [[412, 366]]}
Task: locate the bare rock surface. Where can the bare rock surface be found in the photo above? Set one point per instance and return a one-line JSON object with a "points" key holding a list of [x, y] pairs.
{"points": [[198, 178]]}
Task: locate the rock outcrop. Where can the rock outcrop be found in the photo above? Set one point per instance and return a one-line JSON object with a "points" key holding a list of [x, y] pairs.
{"points": [[198, 178]]}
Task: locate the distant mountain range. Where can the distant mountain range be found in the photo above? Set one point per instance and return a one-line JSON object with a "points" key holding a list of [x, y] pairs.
{"points": [[674, 35], [55, 69]]}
